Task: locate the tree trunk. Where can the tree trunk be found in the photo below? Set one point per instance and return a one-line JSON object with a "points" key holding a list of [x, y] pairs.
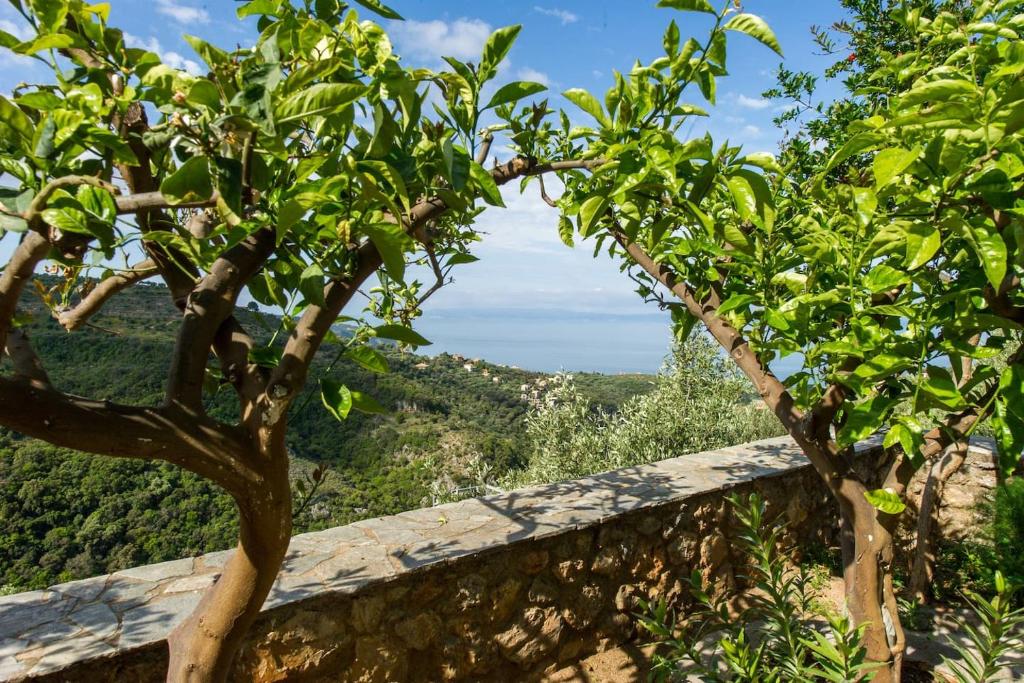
{"points": [[203, 647], [927, 516], [867, 573]]}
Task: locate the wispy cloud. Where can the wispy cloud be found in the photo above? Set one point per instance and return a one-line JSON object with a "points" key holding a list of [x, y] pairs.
{"points": [[172, 59], [462, 38], [565, 16], [528, 74], [183, 14], [753, 102]]}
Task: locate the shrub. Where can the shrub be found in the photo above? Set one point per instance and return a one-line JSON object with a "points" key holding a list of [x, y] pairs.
{"points": [[771, 640], [699, 403]]}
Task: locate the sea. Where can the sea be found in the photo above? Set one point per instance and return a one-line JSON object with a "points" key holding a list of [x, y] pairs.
{"points": [[552, 341]]}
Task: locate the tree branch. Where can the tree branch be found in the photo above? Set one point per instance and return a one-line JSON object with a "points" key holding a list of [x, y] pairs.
{"points": [[210, 305], [22, 264], [26, 363], [104, 428], [823, 455], [92, 302]]}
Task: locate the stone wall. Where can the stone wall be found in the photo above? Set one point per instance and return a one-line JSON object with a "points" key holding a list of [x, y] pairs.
{"points": [[504, 587]]}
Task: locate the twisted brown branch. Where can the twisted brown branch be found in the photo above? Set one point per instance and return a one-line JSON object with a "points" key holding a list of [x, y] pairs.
{"points": [[92, 302]]}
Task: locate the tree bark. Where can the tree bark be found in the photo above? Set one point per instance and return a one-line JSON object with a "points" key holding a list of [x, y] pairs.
{"points": [[867, 548], [921, 570], [204, 646]]}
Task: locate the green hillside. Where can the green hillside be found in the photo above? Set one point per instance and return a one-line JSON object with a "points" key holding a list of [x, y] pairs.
{"points": [[68, 515]]}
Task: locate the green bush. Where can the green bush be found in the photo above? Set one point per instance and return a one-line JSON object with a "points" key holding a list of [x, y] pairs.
{"points": [[698, 403]]}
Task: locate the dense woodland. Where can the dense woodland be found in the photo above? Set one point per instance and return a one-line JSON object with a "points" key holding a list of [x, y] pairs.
{"points": [[67, 515]]}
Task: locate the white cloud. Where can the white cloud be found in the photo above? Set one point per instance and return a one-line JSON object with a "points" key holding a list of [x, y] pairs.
{"points": [[565, 16], [21, 32], [752, 131], [753, 102], [528, 74], [169, 57], [597, 74], [183, 14], [462, 39]]}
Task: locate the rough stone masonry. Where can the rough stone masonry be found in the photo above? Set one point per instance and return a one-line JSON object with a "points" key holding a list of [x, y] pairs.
{"points": [[504, 587]]}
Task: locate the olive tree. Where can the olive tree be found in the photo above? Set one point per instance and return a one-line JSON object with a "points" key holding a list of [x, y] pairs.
{"points": [[882, 282], [298, 169]]}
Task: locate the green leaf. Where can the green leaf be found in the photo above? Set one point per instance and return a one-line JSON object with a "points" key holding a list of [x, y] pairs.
{"points": [[938, 390], [51, 13], [864, 419], [229, 181], [591, 212], [368, 358], [287, 216], [311, 284], [213, 56], [587, 102], [735, 302], [891, 162], [392, 243], [923, 241], [381, 9], [97, 202], [762, 160], [755, 27], [882, 278], [484, 183], [191, 182], [886, 500], [320, 99], [875, 368], [14, 118], [1008, 421], [565, 231], [513, 92], [401, 333], [496, 49], [367, 404], [688, 5], [937, 91], [743, 196], [992, 253], [337, 398], [50, 41]]}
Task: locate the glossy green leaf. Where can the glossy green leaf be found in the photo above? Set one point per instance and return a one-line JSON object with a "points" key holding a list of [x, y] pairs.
{"points": [[923, 241], [484, 183], [191, 182], [688, 5], [863, 419], [311, 284], [380, 8], [890, 163], [513, 92], [369, 358], [992, 253], [320, 99], [755, 27], [336, 397], [401, 333], [591, 212], [587, 102], [886, 501], [565, 231], [365, 403], [496, 49], [937, 91], [392, 243]]}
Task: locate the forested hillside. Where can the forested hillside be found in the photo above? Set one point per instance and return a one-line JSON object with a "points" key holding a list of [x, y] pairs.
{"points": [[67, 515]]}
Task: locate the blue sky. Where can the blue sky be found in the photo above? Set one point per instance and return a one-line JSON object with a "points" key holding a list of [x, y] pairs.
{"points": [[524, 269]]}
